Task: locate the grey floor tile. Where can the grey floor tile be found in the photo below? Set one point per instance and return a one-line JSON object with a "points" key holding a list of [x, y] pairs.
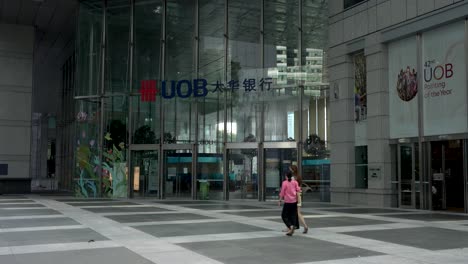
{"points": [[36, 222], [156, 217], [177, 202], [26, 212], [48, 237], [275, 250], [106, 203], [223, 207], [8, 196], [2, 201], [262, 213], [20, 205], [198, 229], [362, 210], [65, 200], [88, 256], [321, 205], [259, 213], [321, 222], [422, 237], [125, 209], [431, 217]]}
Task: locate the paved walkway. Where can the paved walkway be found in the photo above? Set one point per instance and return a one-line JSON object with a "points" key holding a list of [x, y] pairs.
{"points": [[49, 230]]}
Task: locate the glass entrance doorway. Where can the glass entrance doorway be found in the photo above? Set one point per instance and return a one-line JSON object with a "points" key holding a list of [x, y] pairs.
{"points": [[178, 173], [243, 173], [408, 175], [447, 175], [277, 162], [145, 173]]}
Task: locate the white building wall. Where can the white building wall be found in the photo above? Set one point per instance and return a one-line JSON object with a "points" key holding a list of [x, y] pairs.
{"points": [[369, 26]]}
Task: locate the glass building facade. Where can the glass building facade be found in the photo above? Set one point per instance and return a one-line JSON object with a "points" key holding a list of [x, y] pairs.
{"points": [[202, 99]]}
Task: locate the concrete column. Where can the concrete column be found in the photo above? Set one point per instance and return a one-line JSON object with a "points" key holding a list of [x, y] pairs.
{"points": [[379, 158], [341, 124]]}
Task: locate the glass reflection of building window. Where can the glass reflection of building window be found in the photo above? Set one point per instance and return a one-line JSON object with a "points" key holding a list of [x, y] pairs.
{"points": [[360, 87], [360, 155]]}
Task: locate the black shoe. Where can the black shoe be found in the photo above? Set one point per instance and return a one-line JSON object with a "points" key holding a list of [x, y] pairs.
{"points": [[291, 232]]}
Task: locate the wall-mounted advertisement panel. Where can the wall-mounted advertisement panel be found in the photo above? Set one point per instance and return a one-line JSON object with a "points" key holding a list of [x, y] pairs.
{"points": [[444, 80], [403, 88]]}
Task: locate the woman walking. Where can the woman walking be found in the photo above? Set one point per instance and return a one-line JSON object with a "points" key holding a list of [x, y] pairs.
{"points": [[298, 178], [289, 189]]}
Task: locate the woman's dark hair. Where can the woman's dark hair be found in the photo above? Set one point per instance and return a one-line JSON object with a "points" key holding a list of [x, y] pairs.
{"points": [[289, 175]]}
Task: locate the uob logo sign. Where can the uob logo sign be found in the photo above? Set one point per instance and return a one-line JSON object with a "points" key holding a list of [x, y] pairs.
{"points": [[169, 89], [184, 88], [434, 78], [438, 72]]}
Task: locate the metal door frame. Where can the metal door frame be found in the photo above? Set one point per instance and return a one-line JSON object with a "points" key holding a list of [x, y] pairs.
{"points": [[413, 191], [140, 147], [246, 145], [274, 145], [163, 166], [465, 173]]}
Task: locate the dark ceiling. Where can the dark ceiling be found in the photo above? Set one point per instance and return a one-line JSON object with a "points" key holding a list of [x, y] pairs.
{"points": [[54, 21]]}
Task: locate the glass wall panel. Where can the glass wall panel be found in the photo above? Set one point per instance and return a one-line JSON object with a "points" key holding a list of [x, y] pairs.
{"points": [[211, 68], [313, 73], [210, 108], [88, 46], [243, 173], [145, 119], [315, 101], [406, 172], [114, 147], [146, 71], [316, 179], [361, 173], [117, 46], [178, 173], [244, 71], [145, 173], [281, 62], [179, 114], [277, 162], [210, 175], [86, 180]]}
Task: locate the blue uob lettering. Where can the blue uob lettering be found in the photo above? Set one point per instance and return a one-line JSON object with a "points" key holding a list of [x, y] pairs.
{"points": [[179, 89], [163, 90], [197, 86]]}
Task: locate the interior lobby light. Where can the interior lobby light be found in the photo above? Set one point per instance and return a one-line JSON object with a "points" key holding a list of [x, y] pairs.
{"points": [[231, 127]]}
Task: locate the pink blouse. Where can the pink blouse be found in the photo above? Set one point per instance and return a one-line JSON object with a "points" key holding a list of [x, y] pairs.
{"points": [[289, 190]]}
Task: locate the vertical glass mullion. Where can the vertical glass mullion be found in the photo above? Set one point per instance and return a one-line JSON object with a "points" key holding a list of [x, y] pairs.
{"points": [[129, 98], [196, 68], [261, 154], [101, 100], [225, 151], [161, 112], [300, 90]]}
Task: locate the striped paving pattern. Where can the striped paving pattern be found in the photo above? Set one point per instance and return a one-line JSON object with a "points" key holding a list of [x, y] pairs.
{"points": [[48, 230]]}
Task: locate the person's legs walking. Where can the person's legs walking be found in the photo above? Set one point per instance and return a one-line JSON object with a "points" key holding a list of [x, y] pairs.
{"points": [[302, 220], [292, 217]]}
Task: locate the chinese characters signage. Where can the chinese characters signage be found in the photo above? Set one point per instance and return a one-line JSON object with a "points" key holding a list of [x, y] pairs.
{"points": [[199, 88]]}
